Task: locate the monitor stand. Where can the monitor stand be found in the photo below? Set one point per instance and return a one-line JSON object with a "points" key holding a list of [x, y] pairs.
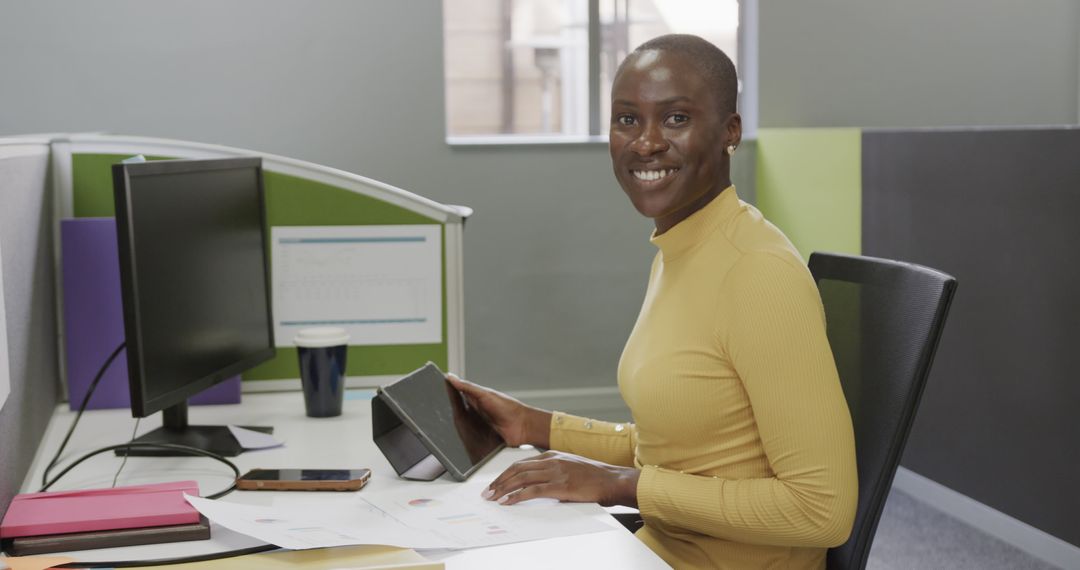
{"points": [[175, 430]]}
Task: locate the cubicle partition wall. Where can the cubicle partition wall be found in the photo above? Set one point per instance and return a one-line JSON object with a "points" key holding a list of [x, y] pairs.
{"points": [[317, 207], [997, 208], [28, 355], [49, 178], [808, 184]]}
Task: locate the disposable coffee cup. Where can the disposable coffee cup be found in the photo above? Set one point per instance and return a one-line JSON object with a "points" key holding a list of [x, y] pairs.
{"points": [[322, 352]]}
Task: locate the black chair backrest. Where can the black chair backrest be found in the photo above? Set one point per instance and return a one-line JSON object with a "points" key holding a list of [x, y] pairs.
{"points": [[884, 319]]}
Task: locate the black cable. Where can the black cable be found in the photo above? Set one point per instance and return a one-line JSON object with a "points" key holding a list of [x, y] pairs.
{"points": [[143, 445], [46, 482], [82, 408], [127, 452], [165, 561]]}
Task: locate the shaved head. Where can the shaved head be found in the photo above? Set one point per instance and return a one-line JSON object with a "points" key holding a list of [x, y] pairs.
{"points": [[715, 66]]}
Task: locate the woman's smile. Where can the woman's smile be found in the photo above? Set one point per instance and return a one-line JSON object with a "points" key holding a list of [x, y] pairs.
{"points": [[653, 177]]}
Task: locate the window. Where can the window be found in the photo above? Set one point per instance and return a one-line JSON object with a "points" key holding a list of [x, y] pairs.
{"points": [[526, 70]]}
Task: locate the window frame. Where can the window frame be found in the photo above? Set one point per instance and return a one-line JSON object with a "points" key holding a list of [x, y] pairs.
{"points": [[598, 134]]}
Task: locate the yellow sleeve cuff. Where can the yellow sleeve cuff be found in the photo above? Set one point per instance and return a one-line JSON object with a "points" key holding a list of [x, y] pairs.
{"points": [[609, 442]]}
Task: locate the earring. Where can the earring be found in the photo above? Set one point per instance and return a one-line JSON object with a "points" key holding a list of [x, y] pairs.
{"points": [[731, 150]]}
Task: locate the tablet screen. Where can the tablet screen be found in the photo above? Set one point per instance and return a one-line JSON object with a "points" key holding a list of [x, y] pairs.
{"points": [[442, 414]]}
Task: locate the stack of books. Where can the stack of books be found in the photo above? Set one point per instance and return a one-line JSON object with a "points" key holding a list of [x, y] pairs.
{"points": [[63, 521]]}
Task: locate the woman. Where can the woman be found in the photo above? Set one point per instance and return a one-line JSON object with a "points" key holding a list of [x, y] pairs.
{"points": [[741, 454]]}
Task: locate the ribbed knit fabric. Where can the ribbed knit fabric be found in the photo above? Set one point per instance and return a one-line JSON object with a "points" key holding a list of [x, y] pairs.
{"points": [[741, 430]]}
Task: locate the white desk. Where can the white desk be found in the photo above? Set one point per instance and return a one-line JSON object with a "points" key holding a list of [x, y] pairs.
{"points": [[331, 443]]}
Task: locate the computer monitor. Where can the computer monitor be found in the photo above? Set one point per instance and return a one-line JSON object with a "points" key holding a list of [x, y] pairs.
{"points": [[195, 283]]}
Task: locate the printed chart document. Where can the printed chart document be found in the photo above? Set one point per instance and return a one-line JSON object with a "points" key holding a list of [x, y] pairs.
{"points": [[458, 514], [421, 516], [5, 373], [381, 283], [352, 522]]}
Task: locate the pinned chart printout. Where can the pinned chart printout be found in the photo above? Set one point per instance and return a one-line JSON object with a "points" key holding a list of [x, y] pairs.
{"points": [[383, 284], [5, 372]]}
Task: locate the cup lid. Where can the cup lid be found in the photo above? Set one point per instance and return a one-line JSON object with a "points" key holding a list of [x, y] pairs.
{"points": [[319, 337]]}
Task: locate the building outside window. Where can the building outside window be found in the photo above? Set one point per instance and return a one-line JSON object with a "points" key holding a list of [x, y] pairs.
{"points": [[526, 71]]}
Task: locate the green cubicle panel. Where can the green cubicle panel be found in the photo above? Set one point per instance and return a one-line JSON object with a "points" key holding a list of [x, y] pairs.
{"points": [[809, 184], [297, 194]]}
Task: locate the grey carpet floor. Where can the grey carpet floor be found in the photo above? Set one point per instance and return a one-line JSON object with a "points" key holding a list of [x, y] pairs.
{"points": [[914, 535]]}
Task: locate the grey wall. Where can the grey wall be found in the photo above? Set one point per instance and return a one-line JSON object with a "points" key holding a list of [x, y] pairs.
{"points": [[867, 63], [26, 244], [555, 257], [997, 210]]}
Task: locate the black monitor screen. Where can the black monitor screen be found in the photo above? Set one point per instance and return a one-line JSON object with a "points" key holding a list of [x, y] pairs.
{"points": [[194, 275]]}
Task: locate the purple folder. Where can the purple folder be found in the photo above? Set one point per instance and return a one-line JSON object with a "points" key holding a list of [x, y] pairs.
{"points": [[94, 318]]}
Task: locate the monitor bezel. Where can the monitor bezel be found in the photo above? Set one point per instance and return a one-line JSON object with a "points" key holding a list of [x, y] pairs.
{"points": [[123, 174]]}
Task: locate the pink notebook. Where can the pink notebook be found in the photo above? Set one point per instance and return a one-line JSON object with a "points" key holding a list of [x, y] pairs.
{"points": [[138, 506]]}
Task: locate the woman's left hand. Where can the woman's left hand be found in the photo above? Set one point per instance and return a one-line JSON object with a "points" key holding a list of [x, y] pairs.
{"points": [[565, 477]]}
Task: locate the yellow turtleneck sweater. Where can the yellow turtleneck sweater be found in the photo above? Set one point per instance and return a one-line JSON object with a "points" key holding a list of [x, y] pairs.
{"points": [[740, 429]]}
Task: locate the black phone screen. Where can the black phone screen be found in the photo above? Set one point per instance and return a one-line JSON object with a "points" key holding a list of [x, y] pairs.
{"points": [[305, 474]]}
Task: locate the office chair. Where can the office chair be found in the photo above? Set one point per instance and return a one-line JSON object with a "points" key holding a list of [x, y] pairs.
{"points": [[884, 319]]}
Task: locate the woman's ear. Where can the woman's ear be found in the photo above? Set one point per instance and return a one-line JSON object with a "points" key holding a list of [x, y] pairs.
{"points": [[733, 126]]}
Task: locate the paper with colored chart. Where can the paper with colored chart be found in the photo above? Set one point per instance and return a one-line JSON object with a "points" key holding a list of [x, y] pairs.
{"points": [[458, 514], [349, 522], [423, 516]]}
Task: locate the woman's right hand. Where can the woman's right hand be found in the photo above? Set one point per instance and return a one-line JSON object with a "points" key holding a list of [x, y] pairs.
{"points": [[517, 423]]}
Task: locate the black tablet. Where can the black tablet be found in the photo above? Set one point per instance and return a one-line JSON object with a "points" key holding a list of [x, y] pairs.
{"points": [[454, 432]]}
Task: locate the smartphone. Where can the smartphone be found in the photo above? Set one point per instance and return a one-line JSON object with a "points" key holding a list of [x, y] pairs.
{"points": [[304, 480]]}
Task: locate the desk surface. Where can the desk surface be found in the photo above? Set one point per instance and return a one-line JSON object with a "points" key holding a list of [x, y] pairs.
{"points": [[331, 443]]}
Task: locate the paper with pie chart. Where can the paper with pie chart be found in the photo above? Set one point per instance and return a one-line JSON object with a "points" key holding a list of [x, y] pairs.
{"points": [[349, 523], [458, 514], [422, 516]]}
